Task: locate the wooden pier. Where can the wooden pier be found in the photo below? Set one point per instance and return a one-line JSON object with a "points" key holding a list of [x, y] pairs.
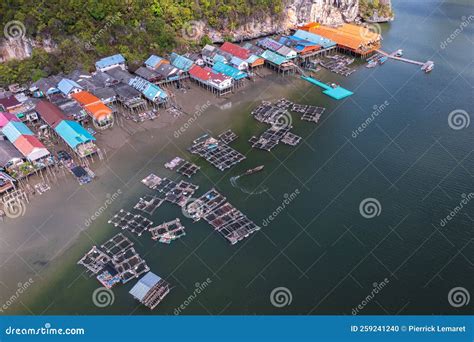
{"points": [[406, 60]]}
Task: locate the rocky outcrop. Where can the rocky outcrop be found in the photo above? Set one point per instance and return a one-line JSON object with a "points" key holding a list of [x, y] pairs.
{"points": [[296, 12], [21, 47]]}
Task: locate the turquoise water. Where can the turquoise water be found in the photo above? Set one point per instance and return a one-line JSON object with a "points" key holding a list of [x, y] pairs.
{"points": [[320, 247]]}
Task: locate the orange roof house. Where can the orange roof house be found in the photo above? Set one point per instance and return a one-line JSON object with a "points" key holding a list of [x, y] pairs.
{"points": [[93, 105], [358, 39]]}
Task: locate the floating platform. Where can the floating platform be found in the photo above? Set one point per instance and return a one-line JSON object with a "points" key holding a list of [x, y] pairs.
{"points": [[168, 231], [188, 169], [216, 152], [230, 222], [151, 181], [227, 137], [337, 93], [136, 224], [148, 204], [116, 261], [291, 139]]}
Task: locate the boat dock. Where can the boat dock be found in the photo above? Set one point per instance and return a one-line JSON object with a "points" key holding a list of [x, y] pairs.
{"points": [[423, 65], [337, 92]]}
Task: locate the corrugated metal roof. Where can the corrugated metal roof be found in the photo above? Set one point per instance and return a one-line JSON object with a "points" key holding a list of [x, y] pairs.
{"points": [[315, 38], [273, 57], [144, 285], [31, 147], [181, 62], [228, 70], [14, 129], [73, 133], [154, 60], [50, 113], [6, 117], [109, 61], [66, 85], [8, 152]]}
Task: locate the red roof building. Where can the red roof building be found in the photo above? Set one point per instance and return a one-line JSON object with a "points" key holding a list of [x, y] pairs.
{"points": [[236, 50], [50, 113]]}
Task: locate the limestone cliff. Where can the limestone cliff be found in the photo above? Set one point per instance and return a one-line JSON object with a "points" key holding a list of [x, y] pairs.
{"points": [[295, 12]]}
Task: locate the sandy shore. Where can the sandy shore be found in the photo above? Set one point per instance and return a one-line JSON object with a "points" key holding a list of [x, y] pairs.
{"points": [[35, 245]]}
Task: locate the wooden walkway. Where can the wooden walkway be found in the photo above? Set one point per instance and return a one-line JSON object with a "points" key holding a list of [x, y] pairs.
{"points": [[406, 60]]}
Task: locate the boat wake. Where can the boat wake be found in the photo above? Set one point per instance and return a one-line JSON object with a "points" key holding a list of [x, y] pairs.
{"points": [[236, 184]]}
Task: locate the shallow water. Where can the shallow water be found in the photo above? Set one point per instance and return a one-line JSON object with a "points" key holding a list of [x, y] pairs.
{"points": [[319, 247]]}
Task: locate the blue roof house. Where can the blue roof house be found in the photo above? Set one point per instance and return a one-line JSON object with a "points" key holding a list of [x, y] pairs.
{"points": [[77, 137], [68, 87], [110, 62], [14, 129]]}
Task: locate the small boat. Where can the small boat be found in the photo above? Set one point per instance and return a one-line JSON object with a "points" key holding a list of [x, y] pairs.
{"points": [[398, 53], [371, 64], [428, 66], [255, 169], [382, 60]]}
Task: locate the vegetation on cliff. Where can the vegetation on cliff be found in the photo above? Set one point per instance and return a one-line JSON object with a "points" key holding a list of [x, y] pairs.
{"points": [[86, 29], [372, 9]]}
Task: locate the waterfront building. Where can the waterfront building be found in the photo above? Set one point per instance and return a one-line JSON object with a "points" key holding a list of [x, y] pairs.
{"points": [[68, 87], [31, 148], [97, 110], [77, 137], [150, 290], [110, 62], [154, 62]]}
